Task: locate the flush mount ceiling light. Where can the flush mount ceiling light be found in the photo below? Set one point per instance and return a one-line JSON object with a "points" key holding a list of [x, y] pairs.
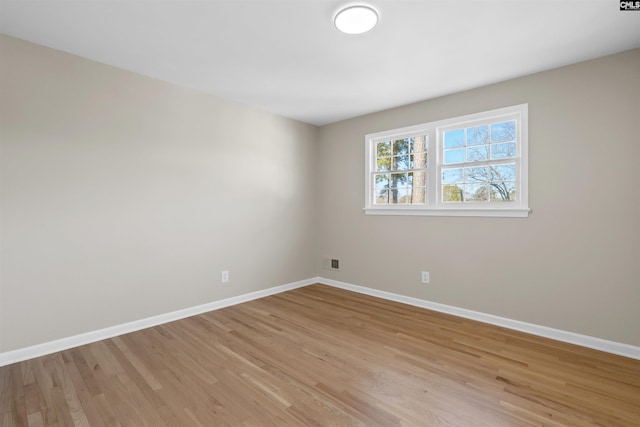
{"points": [[356, 19]]}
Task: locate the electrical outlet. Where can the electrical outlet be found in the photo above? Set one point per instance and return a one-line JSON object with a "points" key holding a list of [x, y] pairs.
{"points": [[425, 277], [224, 276]]}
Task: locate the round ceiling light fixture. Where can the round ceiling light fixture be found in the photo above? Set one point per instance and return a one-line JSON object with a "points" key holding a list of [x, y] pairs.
{"points": [[356, 19]]}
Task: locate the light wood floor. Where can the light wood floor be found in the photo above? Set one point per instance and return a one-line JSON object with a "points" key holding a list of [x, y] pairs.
{"points": [[323, 356]]}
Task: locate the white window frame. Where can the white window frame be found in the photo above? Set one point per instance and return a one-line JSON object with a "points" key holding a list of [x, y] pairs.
{"points": [[434, 132]]}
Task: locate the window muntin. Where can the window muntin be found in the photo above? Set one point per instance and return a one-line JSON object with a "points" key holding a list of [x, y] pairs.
{"points": [[473, 165]]}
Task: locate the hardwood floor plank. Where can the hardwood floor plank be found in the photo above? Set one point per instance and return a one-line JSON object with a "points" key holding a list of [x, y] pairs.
{"points": [[321, 356], [35, 420], [84, 397]]}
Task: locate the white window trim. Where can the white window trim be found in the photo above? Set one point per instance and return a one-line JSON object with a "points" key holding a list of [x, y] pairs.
{"points": [[434, 207]]}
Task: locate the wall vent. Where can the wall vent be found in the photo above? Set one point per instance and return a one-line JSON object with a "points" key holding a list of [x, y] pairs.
{"points": [[330, 263]]}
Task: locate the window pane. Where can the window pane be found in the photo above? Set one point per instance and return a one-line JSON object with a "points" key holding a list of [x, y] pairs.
{"points": [[452, 193], [418, 195], [503, 151], [419, 179], [419, 144], [454, 138], [504, 131], [382, 197], [478, 135], [478, 153], [398, 179], [503, 192], [475, 193], [383, 149], [382, 181], [401, 146], [453, 156], [404, 195], [418, 161], [451, 176], [503, 172], [383, 164], [401, 163], [394, 194], [479, 174]]}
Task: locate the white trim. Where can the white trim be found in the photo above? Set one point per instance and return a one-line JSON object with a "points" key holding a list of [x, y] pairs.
{"points": [[38, 350], [613, 347], [396, 210]]}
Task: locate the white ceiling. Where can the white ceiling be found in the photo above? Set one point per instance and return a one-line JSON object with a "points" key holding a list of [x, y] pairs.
{"points": [[286, 57]]}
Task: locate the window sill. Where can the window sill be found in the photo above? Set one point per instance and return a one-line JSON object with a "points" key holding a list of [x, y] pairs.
{"points": [[484, 212]]}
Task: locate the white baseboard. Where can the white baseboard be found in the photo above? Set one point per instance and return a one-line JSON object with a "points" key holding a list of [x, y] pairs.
{"points": [[26, 353], [38, 350], [543, 331]]}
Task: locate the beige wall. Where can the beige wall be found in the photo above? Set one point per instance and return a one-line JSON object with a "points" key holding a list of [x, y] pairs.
{"points": [[124, 197], [573, 264]]}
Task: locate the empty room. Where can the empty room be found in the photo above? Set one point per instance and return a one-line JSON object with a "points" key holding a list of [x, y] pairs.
{"points": [[319, 213]]}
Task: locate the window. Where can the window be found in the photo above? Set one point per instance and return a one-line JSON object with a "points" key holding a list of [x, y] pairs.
{"points": [[474, 165], [400, 175]]}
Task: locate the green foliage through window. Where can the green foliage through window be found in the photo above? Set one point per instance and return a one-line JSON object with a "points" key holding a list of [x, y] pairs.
{"points": [[400, 175]]}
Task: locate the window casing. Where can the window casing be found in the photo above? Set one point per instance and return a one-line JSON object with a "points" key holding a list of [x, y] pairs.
{"points": [[474, 165]]}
